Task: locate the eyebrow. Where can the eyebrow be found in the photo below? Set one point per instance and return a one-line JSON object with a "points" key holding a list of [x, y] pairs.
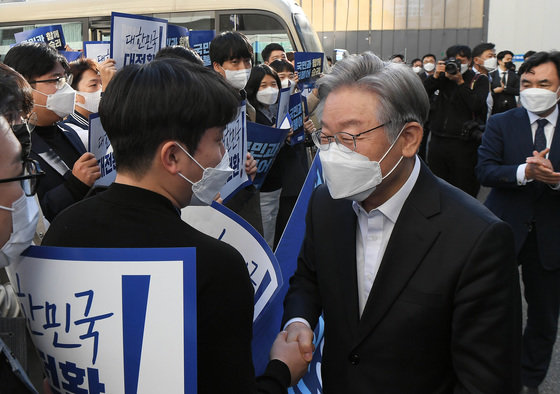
{"points": [[538, 82]]}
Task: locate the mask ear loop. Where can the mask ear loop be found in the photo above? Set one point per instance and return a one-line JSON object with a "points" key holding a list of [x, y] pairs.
{"points": [[6, 208], [388, 150]]}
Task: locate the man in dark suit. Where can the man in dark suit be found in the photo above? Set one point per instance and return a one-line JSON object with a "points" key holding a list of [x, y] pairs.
{"points": [[520, 158], [415, 279], [167, 142], [504, 84]]}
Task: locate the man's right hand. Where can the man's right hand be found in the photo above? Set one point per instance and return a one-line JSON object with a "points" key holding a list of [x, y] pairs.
{"points": [[440, 68], [300, 333], [86, 169], [288, 353]]}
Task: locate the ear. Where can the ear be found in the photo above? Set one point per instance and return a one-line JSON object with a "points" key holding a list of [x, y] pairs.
{"points": [[170, 157], [80, 99], [412, 137], [218, 68]]}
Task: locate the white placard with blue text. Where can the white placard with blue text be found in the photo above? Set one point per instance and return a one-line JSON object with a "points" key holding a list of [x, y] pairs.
{"points": [[98, 51], [136, 39], [118, 321], [235, 141], [101, 148]]}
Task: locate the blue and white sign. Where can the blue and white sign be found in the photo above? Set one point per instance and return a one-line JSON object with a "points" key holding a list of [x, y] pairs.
{"points": [[136, 39], [235, 141], [221, 223], [296, 113], [99, 329], [309, 66], [264, 143], [98, 51], [283, 106], [101, 148], [177, 35], [200, 41], [71, 55], [51, 35]]}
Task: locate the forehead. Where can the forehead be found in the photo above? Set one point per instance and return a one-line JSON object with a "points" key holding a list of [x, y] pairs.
{"points": [[57, 71], [349, 106], [429, 59], [541, 72], [488, 52]]}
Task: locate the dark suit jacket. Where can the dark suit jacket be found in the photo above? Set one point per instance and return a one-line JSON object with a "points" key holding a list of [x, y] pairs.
{"points": [[443, 315], [131, 217], [58, 189], [507, 142], [506, 100]]}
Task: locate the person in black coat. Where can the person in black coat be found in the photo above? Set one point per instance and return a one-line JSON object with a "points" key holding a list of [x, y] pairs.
{"points": [[505, 84]]}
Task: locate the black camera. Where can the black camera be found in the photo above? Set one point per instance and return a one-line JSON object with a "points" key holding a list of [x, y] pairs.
{"points": [[452, 66], [510, 66]]}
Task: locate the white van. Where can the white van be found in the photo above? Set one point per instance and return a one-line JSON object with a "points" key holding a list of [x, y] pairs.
{"points": [[262, 21]]}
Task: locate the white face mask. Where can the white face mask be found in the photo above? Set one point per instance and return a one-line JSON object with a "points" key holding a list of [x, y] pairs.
{"points": [[60, 102], [417, 69], [267, 96], [285, 83], [92, 100], [538, 100], [352, 175], [238, 78], [464, 68], [429, 67], [491, 64], [212, 181], [25, 215]]}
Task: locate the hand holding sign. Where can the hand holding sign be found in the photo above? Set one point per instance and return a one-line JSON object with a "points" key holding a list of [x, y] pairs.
{"points": [[86, 169], [107, 70]]}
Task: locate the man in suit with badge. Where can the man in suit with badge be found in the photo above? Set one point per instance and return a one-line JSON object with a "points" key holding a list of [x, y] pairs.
{"points": [[415, 279], [520, 160], [504, 84]]}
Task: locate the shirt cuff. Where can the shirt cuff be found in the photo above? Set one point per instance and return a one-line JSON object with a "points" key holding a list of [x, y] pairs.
{"points": [[520, 175], [299, 320], [555, 187]]}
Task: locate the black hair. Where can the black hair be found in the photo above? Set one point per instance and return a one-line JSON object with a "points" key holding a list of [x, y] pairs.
{"points": [[461, 50], [166, 99], [267, 51], [540, 58], [230, 45], [481, 48], [180, 52], [79, 67], [397, 55], [254, 82], [528, 54], [502, 54], [281, 65], [415, 60], [429, 55], [33, 59]]}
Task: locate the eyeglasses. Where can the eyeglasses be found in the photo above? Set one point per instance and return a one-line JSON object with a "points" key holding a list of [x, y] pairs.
{"points": [[345, 141], [60, 81], [29, 180]]}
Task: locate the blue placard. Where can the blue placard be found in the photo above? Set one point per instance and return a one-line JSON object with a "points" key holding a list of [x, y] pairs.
{"points": [[71, 55], [264, 143], [200, 41], [51, 35], [296, 116], [136, 39], [177, 35], [98, 51], [113, 295], [309, 66], [518, 58]]}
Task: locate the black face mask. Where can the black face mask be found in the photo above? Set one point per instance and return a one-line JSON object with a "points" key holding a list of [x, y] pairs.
{"points": [[510, 66], [24, 138]]}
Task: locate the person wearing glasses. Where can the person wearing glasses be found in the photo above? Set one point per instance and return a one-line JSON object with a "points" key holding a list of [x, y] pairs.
{"points": [[70, 171], [416, 280]]}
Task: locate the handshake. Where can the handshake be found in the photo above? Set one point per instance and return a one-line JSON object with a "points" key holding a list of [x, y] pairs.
{"points": [[294, 347]]}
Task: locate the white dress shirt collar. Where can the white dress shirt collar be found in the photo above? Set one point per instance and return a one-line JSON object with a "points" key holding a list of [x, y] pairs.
{"points": [[552, 118]]}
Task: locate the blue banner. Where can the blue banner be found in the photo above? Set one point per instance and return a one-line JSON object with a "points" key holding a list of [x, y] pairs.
{"points": [[296, 113], [309, 66], [200, 42], [136, 39], [51, 35], [177, 35], [266, 329], [264, 143], [71, 55]]}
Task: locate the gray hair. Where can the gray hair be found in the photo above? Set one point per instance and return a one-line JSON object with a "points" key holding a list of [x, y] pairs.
{"points": [[400, 91]]}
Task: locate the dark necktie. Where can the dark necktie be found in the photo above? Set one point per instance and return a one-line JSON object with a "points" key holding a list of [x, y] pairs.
{"points": [[504, 74], [540, 138]]}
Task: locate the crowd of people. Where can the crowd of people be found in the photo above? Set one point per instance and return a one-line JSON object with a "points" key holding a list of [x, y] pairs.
{"points": [[417, 281]]}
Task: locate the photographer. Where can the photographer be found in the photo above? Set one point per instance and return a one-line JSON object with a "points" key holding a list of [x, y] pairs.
{"points": [[455, 123]]}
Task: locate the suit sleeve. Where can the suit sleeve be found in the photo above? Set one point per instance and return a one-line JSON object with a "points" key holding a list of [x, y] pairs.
{"points": [[303, 298], [486, 333], [475, 99], [432, 84], [512, 86], [491, 170]]}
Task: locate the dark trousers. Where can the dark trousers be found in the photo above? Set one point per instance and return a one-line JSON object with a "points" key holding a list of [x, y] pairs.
{"points": [[542, 293], [454, 160]]}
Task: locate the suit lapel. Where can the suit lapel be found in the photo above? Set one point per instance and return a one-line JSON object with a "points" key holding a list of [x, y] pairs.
{"points": [[72, 137], [554, 155], [345, 260], [412, 237], [523, 141]]}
